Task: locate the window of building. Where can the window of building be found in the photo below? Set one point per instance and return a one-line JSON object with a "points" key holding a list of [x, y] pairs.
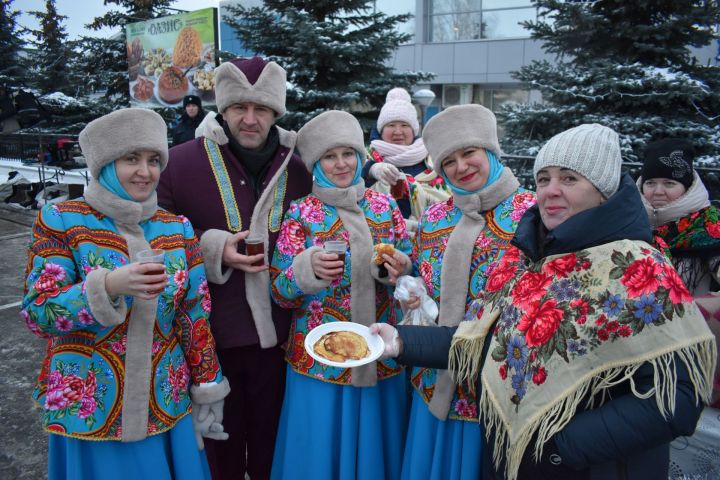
{"points": [[454, 20], [399, 7], [494, 98]]}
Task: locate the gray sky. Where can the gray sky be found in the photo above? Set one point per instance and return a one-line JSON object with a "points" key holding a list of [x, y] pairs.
{"points": [[81, 12]]}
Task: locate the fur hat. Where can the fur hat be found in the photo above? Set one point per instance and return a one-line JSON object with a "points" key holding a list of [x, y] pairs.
{"points": [[669, 158], [329, 130], [459, 127], [116, 134], [398, 108], [194, 99], [591, 150], [251, 80]]}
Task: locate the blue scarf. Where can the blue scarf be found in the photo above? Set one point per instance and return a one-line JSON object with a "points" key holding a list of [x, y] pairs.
{"points": [[496, 169], [111, 182], [322, 180]]}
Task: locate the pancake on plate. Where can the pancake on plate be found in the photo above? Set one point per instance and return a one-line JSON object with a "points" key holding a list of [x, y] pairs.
{"points": [[342, 346]]}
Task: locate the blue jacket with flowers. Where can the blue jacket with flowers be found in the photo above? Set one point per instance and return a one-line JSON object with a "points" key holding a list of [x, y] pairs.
{"points": [[80, 385], [436, 225], [309, 222]]}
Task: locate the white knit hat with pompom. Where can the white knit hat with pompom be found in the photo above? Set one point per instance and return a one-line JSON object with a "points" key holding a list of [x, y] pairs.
{"points": [[398, 108]]}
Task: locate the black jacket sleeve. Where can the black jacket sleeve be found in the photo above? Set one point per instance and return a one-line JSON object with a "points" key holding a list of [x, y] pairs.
{"points": [[425, 346], [627, 424]]}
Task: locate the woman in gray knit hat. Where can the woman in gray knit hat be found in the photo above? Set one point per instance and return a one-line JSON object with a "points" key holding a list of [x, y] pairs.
{"points": [[338, 422], [130, 353], [457, 242], [586, 349]]}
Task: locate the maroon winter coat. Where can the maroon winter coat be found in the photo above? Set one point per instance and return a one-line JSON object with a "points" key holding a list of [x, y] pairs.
{"points": [[187, 187]]}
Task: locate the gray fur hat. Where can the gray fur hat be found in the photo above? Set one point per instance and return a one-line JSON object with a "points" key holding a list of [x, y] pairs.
{"points": [[329, 130], [251, 80], [460, 127], [116, 134], [592, 150]]}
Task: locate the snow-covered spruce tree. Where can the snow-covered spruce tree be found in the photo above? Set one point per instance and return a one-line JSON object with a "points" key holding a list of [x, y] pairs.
{"points": [[334, 53], [52, 55], [627, 65], [11, 72]]}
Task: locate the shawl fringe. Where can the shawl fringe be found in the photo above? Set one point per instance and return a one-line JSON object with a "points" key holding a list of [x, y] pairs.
{"points": [[698, 358]]}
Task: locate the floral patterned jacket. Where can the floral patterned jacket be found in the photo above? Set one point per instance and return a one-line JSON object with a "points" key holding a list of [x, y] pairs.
{"points": [[82, 376], [436, 225], [309, 222]]}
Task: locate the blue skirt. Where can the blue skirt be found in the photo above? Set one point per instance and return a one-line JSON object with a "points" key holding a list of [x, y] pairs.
{"points": [[172, 455], [437, 450], [340, 432]]}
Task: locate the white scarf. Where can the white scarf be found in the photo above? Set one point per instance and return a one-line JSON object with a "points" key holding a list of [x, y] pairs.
{"points": [[401, 155], [696, 198]]}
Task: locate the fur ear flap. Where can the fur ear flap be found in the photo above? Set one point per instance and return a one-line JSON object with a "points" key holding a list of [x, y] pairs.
{"points": [[210, 128]]}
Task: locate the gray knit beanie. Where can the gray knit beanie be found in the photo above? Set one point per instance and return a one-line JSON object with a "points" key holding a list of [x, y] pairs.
{"points": [[591, 150], [460, 127], [121, 132], [398, 108], [235, 82], [329, 130]]}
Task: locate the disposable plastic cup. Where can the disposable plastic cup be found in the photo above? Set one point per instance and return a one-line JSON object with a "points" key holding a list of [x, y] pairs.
{"points": [[255, 246], [338, 247], [152, 256]]}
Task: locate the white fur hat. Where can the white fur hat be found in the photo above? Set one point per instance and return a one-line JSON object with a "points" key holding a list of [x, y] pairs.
{"points": [[329, 130], [251, 80], [398, 107], [116, 134], [459, 127]]}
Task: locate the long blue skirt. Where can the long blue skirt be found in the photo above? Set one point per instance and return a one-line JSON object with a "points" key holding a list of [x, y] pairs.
{"points": [[437, 450], [340, 432], [172, 455]]}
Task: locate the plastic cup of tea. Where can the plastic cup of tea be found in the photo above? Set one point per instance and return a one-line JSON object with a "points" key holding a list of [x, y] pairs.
{"points": [[255, 246], [338, 247], [397, 190], [152, 256]]}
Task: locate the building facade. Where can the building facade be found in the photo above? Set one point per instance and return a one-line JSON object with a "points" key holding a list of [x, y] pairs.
{"points": [[472, 47]]}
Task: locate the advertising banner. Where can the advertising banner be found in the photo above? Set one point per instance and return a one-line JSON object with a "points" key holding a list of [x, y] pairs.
{"points": [[170, 57]]}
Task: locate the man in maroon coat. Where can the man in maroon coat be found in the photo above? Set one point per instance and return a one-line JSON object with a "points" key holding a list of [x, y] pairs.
{"points": [[235, 181]]}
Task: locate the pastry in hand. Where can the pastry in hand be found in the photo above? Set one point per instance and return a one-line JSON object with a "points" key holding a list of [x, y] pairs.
{"points": [[380, 250]]}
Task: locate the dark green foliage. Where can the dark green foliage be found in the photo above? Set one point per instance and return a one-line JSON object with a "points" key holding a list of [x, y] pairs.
{"points": [[53, 54], [334, 52], [627, 65], [11, 72]]}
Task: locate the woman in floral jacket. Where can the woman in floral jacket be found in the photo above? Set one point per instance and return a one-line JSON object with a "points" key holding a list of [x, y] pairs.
{"points": [[688, 227], [129, 347], [486, 205], [338, 422], [589, 353]]}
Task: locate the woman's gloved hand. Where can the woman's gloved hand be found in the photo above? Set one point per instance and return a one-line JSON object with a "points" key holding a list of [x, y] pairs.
{"points": [[386, 172], [207, 410], [207, 422], [389, 334]]}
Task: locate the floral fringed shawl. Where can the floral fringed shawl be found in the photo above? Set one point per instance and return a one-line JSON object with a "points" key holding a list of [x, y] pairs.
{"points": [[567, 328]]}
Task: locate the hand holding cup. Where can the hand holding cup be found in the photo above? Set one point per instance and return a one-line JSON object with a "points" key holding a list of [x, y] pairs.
{"points": [[330, 263], [145, 278]]}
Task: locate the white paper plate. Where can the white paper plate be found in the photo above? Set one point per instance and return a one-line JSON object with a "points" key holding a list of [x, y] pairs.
{"points": [[375, 343]]}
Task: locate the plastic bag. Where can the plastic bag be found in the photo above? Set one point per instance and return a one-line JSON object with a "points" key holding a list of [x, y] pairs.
{"points": [[427, 312]]}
